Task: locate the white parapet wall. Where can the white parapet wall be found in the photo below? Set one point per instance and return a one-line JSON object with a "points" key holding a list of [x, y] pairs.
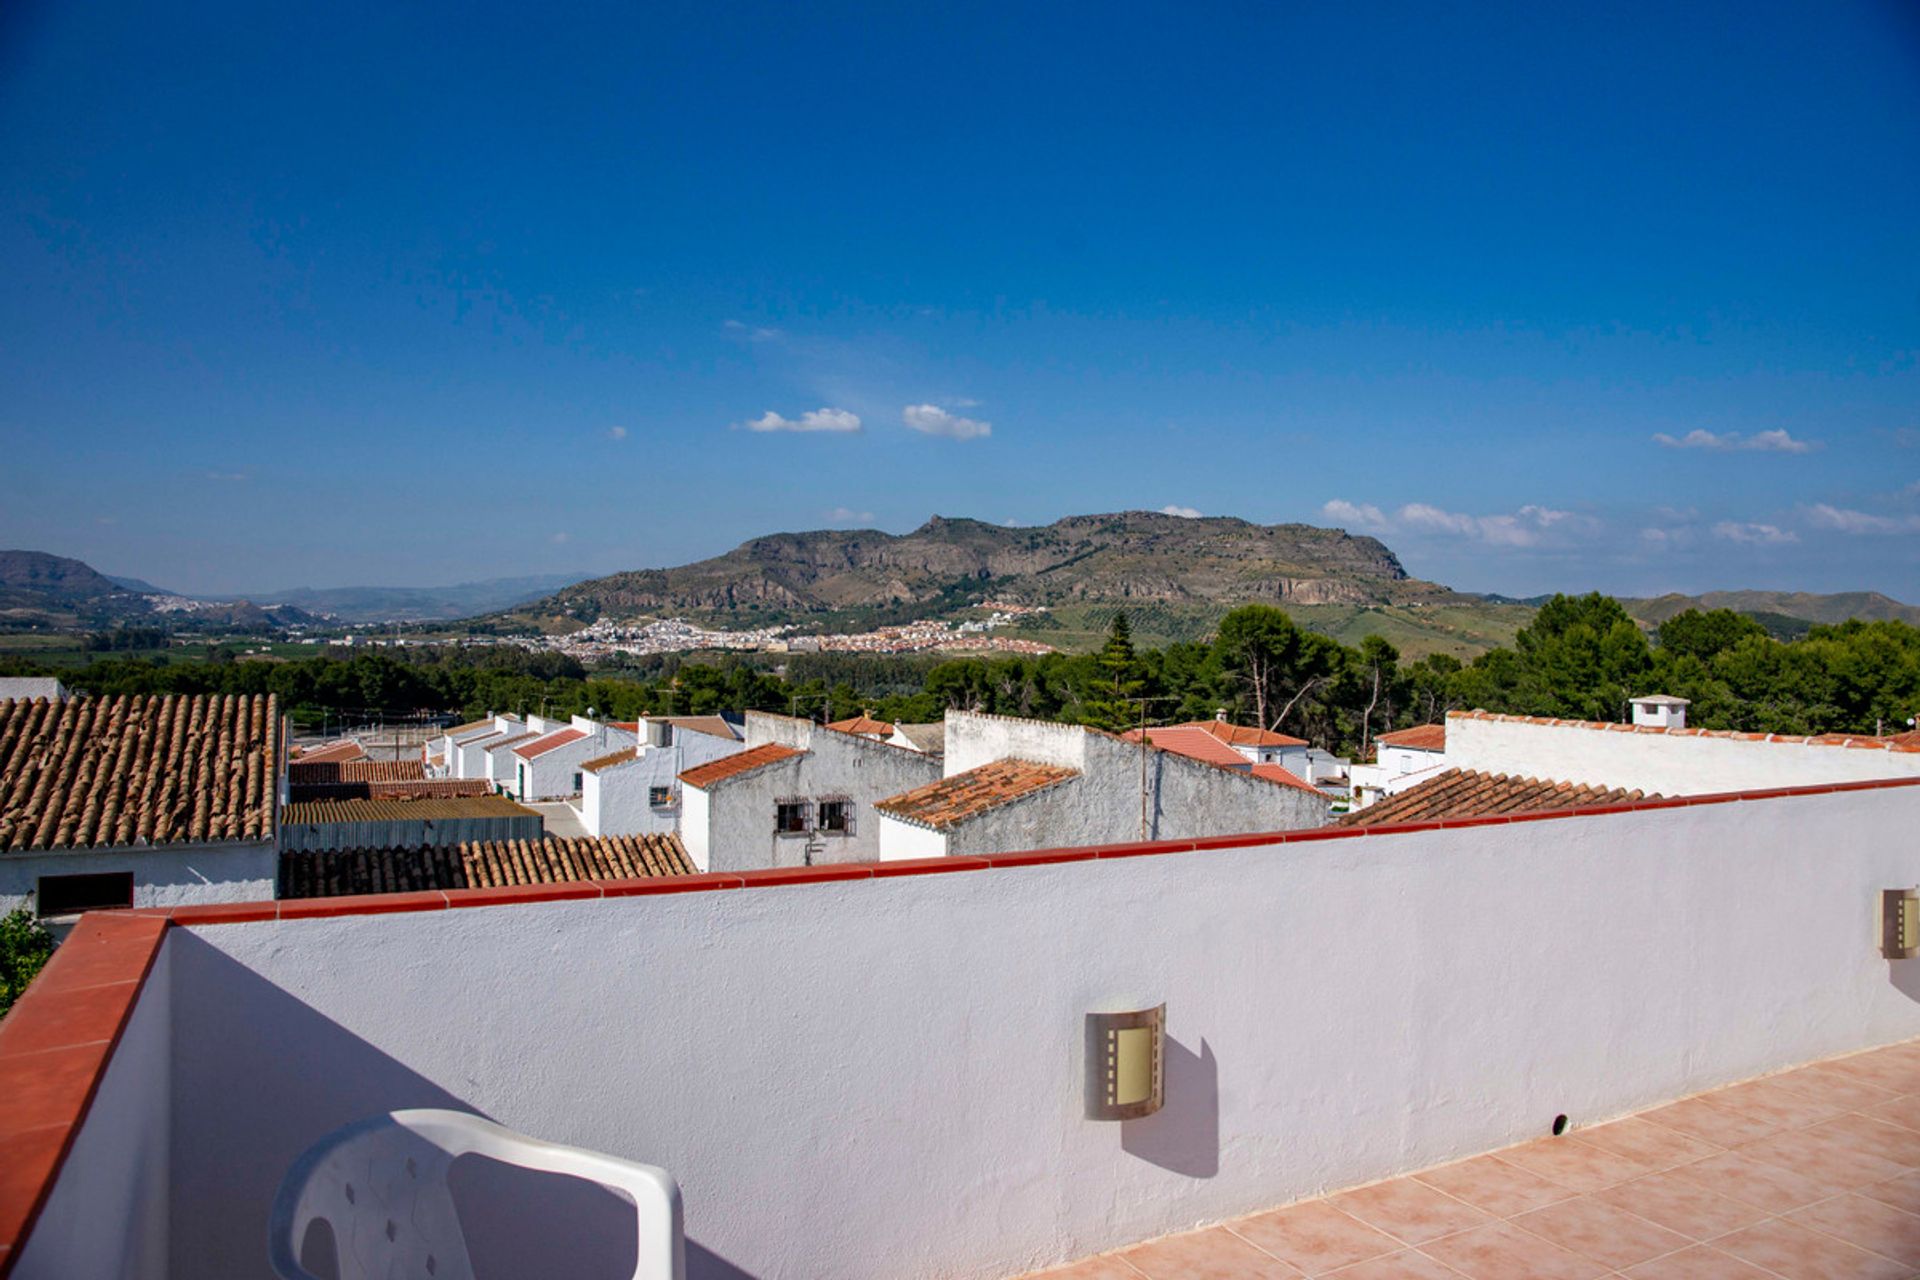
{"points": [[1670, 762], [882, 1077], [163, 875]]}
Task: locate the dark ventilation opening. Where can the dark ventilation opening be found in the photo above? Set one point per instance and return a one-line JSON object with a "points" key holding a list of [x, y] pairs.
{"points": [[70, 895], [1559, 1125]]}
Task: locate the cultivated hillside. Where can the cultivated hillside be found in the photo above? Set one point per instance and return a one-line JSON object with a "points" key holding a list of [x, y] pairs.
{"points": [[1806, 606], [1135, 557]]}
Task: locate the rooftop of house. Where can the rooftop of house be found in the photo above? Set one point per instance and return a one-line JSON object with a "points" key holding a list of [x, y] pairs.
{"points": [[502, 741], [1463, 793], [314, 773], [712, 726], [549, 742], [472, 726], [1194, 742], [312, 812], [481, 864], [1856, 741], [110, 772], [402, 789], [27, 687], [333, 751], [717, 771], [953, 800], [1422, 737], [862, 723], [612, 758], [1240, 735], [929, 739], [1284, 777]]}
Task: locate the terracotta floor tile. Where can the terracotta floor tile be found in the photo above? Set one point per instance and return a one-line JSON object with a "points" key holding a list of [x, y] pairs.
{"points": [[1409, 1264], [1875, 1137], [1681, 1205], [1700, 1118], [1824, 1083], [1796, 1253], [1869, 1224], [1775, 1104], [1698, 1263], [1495, 1187], [1411, 1211], [1903, 1111], [1314, 1236], [1653, 1145], [1595, 1229], [1902, 1192], [1896, 1070], [1106, 1267], [1573, 1163], [1504, 1252], [1739, 1176], [1213, 1254], [1821, 1159]]}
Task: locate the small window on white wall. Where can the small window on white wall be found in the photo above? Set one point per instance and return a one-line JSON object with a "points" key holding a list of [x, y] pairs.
{"points": [[70, 895]]}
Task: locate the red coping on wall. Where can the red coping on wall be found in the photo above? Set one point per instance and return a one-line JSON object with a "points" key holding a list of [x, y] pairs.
{"points": [[57, 1041]]}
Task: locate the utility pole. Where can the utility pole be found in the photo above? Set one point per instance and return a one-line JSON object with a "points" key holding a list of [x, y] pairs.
{"points": [[1145, 799]]}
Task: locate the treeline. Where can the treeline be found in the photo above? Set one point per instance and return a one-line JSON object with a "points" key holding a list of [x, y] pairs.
{"points": [[1582, 657]]}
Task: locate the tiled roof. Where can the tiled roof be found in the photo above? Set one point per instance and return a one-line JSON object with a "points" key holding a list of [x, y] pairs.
{"points": [[1234, 735], [481, 864], [96, 772], [747, 761], [548, 743], [409, 789], [509, 740], [1858, 741], [1274, 773], [1195, 743], [862, 724], [337, 751], [713, 726], [472, 726], [1466, 793], [929, 739], [621, 756], [1422, 737], [310, 772], [324, 811], [953, 800]]}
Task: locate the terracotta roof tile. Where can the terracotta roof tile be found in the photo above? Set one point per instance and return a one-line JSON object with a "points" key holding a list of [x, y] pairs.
{"points": [[862, 724], [481, 864], [1465, 793], [713, 726], [311, 812], [598, 763], [335, 752], [1196, 743], [96, 772], [1422, 737], [309, 772], [472, 726], [704, 776], [507, 740], [1286, 778], [557, 739], [406, 789], [953, 800]]}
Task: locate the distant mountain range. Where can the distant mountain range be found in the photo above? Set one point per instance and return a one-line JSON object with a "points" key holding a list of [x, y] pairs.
{"points": [[39, 590], [1128, 557]]}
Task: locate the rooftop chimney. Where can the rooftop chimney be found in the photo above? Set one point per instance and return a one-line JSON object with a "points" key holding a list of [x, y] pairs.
{"points": [[1658, 711]]}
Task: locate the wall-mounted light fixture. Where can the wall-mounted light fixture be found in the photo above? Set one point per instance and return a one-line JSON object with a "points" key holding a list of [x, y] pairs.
{"points": [[1899, 924], [1126, 1056]]}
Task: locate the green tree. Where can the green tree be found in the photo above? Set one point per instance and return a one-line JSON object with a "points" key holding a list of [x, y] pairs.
{"points": [[1118, 679], [25, 948]]}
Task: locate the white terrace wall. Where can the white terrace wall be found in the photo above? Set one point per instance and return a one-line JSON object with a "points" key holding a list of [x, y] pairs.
{"points": [[882, 1077], [163, 875], [615, 801], [1671, 763]]}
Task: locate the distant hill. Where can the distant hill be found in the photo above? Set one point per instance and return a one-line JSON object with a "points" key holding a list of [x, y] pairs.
{"points": [[419, 604], [139, 586], [1132, 557], [35, 578], [1805, 606]]}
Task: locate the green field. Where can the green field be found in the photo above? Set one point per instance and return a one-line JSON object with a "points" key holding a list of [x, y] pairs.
{"points": [[57, 650]]}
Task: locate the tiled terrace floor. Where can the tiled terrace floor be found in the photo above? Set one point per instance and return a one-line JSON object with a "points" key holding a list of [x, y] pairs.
{"points": [[1809, 1175]]}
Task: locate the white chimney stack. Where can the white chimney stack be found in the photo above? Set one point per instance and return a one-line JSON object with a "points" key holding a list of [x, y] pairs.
{"points": [[1658, 711]]}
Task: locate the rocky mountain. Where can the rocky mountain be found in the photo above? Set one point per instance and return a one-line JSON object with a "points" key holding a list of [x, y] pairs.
{"points": [[35, 578], [1132, 556], [1806, 606]]}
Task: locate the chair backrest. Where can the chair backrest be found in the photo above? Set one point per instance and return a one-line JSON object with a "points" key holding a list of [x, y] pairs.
{"points": [[383, 1189], [381, 1184]]}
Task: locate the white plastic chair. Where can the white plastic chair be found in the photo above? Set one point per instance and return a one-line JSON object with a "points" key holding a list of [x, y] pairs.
{"points": [[381, 1184]]}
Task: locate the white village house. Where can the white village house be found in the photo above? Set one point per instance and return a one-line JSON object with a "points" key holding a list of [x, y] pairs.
{"points": [[635, 790], [547, 767], [1401, 759]]}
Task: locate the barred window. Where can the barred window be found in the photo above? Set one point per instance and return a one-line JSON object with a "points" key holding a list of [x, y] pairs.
{"points": [[836, 817], [660, 797], [790, 817]]}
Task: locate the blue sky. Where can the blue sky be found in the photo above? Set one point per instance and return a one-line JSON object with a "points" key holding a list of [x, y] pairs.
{"points": [[1621, 297]]}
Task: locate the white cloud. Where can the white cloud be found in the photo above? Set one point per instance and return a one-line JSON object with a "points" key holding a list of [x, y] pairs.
{"points": [[1185, 513], [1842, 520], [932, 420], [847, 515], [833, 420], [616, 433], [557, 538], [1521, 529], [1775, 441], [752, 333], [1363, 515], [1753, 535]]}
